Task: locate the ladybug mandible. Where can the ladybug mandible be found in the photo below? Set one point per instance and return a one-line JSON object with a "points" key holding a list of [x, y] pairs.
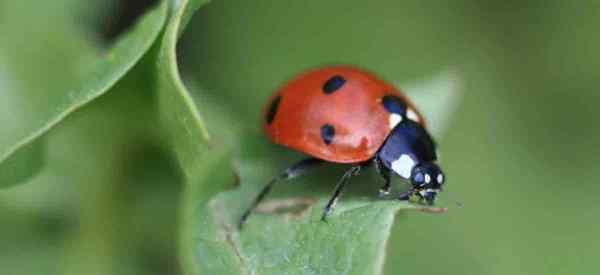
{"points": [[343, 114]]}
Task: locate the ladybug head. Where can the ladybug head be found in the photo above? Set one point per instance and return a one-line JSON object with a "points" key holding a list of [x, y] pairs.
{"points": [[427, 180]]}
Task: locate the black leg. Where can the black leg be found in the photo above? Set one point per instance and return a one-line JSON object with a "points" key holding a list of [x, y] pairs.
{"points": [[338, 190], [404, 196], [294, 171], [384, 172]]}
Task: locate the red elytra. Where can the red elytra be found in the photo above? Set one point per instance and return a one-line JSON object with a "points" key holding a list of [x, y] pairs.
{"points": [[297, 112]]}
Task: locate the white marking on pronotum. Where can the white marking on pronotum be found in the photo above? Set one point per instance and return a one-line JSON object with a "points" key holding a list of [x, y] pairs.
{"points": [[394, 120], [412, 115], [403, 166], [440, 178], [427, 178]]}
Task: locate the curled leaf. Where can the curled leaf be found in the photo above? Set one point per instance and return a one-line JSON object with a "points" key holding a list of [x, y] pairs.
{"points": [[20, 157]]}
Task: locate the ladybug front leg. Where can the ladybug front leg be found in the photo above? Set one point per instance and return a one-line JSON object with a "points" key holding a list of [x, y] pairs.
{"points": [[354, 171], [384, 172], [294, 171]]}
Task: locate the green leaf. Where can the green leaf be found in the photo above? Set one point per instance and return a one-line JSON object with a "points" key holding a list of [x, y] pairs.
{"points": [[288, 238], [20, 155], [187, 135], [27, 161], [177, 110]]}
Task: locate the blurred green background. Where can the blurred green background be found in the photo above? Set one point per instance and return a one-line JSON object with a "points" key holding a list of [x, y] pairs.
{"points": [[520, 151]]}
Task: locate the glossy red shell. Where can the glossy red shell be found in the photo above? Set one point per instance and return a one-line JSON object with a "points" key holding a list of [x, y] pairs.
{"points": [[355, 110]]}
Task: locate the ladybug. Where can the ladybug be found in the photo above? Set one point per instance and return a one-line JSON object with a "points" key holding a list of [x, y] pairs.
{"points": [[344, 114]]}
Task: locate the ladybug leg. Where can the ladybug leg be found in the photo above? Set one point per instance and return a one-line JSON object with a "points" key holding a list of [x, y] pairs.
{"points": [[293, 171], [384, 172], [405, 196], [355, 170]]}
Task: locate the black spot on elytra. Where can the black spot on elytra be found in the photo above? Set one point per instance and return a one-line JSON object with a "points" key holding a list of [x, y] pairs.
{"points": [[394, 104], [333, 84], [327, 133], [273, 109]]}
